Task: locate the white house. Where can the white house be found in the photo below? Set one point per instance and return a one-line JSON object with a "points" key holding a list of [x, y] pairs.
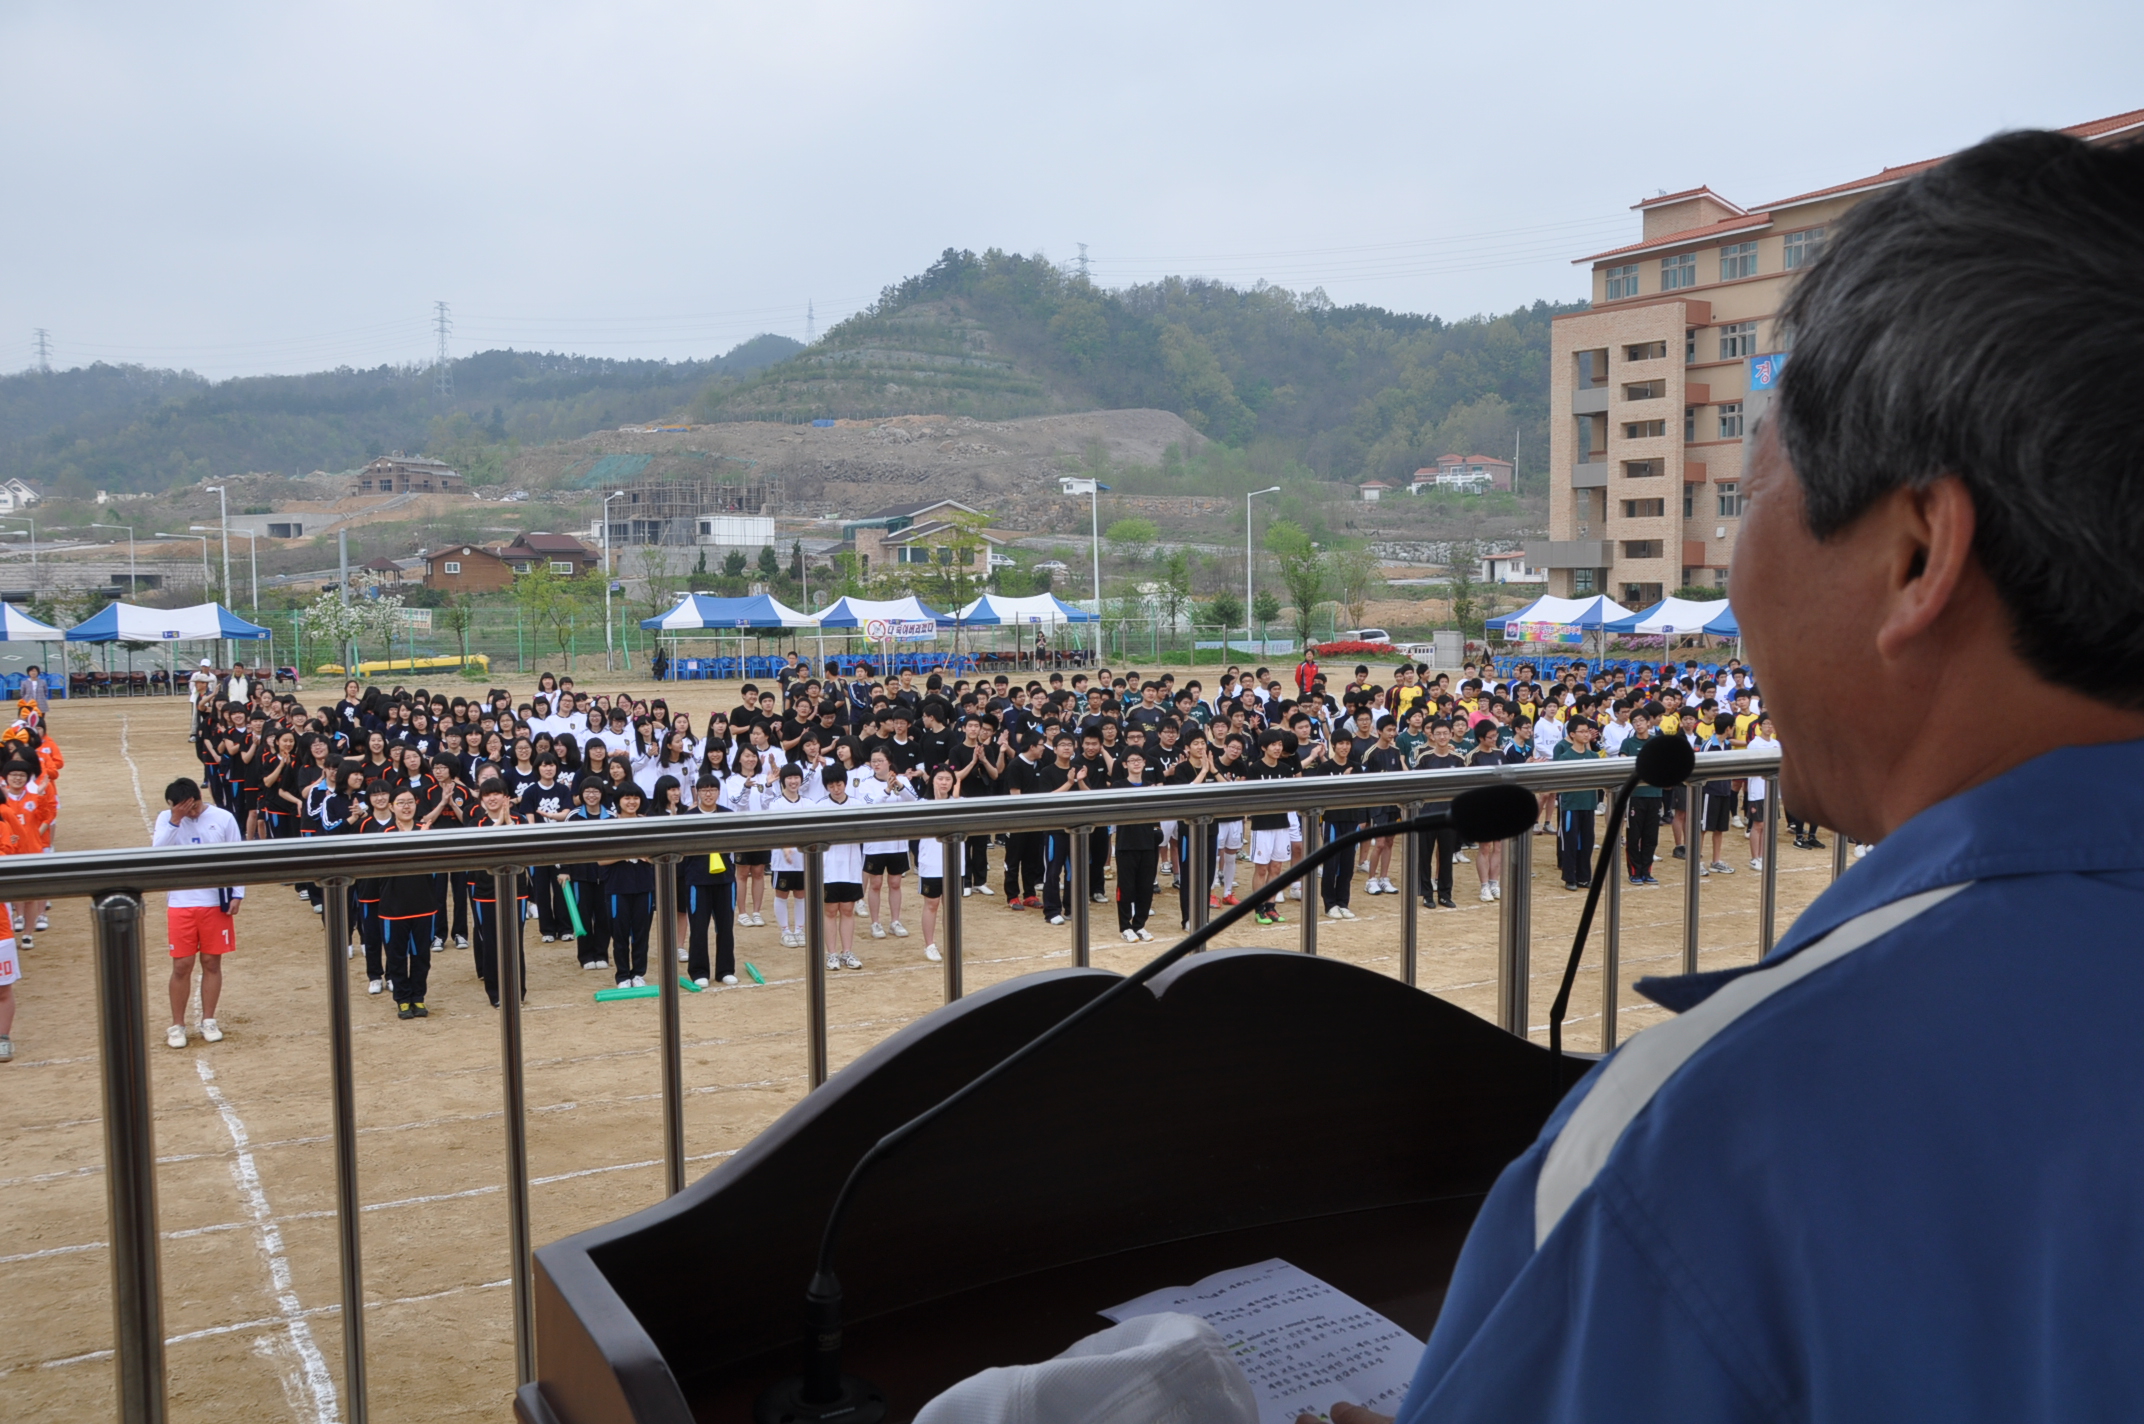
{"points": [[1509, 567], [1373, 490], [14, 495]]}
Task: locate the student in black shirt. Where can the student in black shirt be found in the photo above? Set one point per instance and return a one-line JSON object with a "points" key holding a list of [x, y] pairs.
{"points": [[1061, 773], [583, 883], [1138, 857], [406, 906], [1024, 857], [1336, 882], [496, 808], [629, 887], [1436, 886], [707, 891], [1271, 844]]}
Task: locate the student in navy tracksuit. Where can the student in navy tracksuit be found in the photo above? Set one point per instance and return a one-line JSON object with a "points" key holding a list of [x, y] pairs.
{"points": [[705, 895], [496, 809], [407, 903], [629, 887], [375, 815], [583, 882]]}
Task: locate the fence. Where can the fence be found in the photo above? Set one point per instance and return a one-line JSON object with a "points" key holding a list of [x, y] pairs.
{"points": [[118, 926]]}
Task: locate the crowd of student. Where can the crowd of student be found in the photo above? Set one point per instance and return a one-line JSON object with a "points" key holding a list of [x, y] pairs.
{"points": [[396, 762]]}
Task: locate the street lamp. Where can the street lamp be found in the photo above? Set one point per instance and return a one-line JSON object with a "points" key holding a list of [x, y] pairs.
{"points": [[608, 632], [1075, 484], [25, 519], [1250, 567], [254, 545], [223, 522], [133, 579]]}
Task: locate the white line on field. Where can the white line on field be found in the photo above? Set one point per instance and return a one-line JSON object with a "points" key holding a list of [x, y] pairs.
{"points": [[147, 821], [248, 1178]]}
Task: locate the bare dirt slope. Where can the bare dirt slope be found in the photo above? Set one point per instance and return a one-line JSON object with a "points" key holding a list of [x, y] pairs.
{"points": [[246, 1182]]}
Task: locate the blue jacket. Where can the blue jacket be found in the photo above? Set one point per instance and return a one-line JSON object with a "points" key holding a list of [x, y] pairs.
{"points": [[1905, 1184]]}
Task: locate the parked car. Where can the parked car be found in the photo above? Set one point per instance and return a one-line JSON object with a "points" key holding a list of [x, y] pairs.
{"points": [[1364, 635]]}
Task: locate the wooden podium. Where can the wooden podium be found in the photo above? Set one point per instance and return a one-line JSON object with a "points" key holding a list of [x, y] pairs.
{"points": [[1253, 1104]]}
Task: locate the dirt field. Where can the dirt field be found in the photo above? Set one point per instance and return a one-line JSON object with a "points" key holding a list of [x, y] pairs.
{"points": [[247, 1190]]}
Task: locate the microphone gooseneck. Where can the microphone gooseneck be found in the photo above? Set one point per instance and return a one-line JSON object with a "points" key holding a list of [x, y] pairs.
{"points": [[823, 1394], [1663, 761]]}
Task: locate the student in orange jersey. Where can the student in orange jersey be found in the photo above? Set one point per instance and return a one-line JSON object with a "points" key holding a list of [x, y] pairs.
{"points": [[34, 801], [16, 838]]}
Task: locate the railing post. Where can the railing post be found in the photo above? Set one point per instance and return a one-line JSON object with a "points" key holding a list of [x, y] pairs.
{"points": [[1612, 949], [1768, 878], [506, 910], [130, 1157], [1410, 907], [1693, 867], [815, 961], [1199, 871], [349, 1208], [955, 882], [1079, 889], [1313, 833], [673, 1036], [1838, 852], [1515, 933]]}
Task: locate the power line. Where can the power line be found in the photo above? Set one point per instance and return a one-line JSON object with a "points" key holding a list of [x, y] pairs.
{"points": [[442, 373]]}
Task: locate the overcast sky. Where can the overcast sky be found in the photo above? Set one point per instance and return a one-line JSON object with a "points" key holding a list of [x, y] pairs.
{"points": [[284, 187]]}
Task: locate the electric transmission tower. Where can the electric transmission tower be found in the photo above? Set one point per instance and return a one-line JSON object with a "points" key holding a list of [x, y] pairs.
{"points": [[442, 373], [42, 340], [1082, 262], [810, 322]]}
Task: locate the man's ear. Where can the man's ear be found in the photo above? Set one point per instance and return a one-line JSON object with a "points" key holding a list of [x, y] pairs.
{"points": [[1926, 546]]}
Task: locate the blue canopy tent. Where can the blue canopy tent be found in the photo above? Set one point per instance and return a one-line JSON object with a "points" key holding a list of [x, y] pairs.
{"points": [[702, 611], [131, 623], [994, 610], [860, 612]]}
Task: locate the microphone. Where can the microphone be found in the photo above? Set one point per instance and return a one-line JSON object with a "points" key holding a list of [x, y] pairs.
{"points": [[823, 1394], [1663, 761]]}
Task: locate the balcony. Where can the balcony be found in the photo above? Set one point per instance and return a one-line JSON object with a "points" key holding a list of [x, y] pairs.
{"points": [[1568, 553], [1589, 474], [1590, 400]]}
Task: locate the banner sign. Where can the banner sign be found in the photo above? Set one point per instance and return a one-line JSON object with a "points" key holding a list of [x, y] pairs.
{"points": [[900, 630], [1764, 371], [1543, 633]]}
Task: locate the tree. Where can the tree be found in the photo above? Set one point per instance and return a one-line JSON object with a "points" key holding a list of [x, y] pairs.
{"points": [[1357, 576], [456, 616], [733, 564], [1265, 607], [1224, 610], [1174, 591], [553, 602], [1302, 568], [659, 567], [960, 569], [796, 562], [1461, 563], [1130, 538], [329, 620], [770, 564]]}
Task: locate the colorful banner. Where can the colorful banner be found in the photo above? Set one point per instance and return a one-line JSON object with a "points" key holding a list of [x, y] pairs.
{"points": [[900, 630], [1543, 633], [1764, 371]]}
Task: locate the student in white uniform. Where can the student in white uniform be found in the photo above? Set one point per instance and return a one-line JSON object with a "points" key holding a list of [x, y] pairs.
{"points": [[788, 861], [885, 862], [1761, 740], [844, 883], [930, 864]]}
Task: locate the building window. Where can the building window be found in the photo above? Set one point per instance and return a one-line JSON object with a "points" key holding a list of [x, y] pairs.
{"points": [[452, 566], [1689, 501], [1731, 421], [1646, 351], [1738, 339], [1730, 500], [1641, 469], [1581, 580], [1641, 548], [1622, 282], [1738, 260], [559, 567], [1689, 347], [1633, 391], [1678, 272], [1644, 429], [1689, 422], [1644, 508], [1803, 248]]}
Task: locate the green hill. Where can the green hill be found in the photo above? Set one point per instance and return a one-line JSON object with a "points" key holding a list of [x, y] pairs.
{"points": [[132, 428], [1350, 392]]}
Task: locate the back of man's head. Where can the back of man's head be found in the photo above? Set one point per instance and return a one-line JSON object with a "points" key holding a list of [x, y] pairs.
{"points": [[1964, 323]]}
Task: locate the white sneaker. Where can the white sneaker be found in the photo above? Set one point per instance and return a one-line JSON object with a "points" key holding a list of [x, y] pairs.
{"points": [[1145, 937], [1057, 919], [1486, 895], [1371, 887], [1295, 892], [349, 951], [744, 917], [793, 938], [703, 983], [547, 939], [1335, 913], [1362, 867], [966, 891], [1496, 889], [1756, 863], [900, 931], [640, 981], [1459, 857], [595, 964], [373, 987], [1349, 914], [1737, 822], [462, 941], [438, 943], [1721, 867], [833, 961], [757, 922], [878, 931], [210, 1031], [930, 952], [1390, 888], [320, 909], [1131, 936], [727, 979], [175, 1036], [683, 955], [850, 961], [984, 890]]}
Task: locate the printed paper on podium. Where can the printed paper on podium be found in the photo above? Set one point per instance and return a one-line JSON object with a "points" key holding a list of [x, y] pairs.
{"points": [[1303, 1344]]}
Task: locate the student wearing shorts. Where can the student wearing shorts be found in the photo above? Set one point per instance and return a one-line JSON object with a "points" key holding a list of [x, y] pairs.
{"points": [[787, 862], [844, 883], [930, 863], [1272, 845], [199, 922], [885, 862]]}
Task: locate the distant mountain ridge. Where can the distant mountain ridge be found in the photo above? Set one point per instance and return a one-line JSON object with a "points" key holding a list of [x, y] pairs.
{"points": [[137, 428]]}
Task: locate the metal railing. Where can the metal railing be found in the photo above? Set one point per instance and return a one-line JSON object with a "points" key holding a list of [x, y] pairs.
{"points": [[115, 891]]}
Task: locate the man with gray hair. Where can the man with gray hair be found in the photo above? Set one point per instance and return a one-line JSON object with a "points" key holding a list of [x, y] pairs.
{"points": [[1893, 1171]]}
